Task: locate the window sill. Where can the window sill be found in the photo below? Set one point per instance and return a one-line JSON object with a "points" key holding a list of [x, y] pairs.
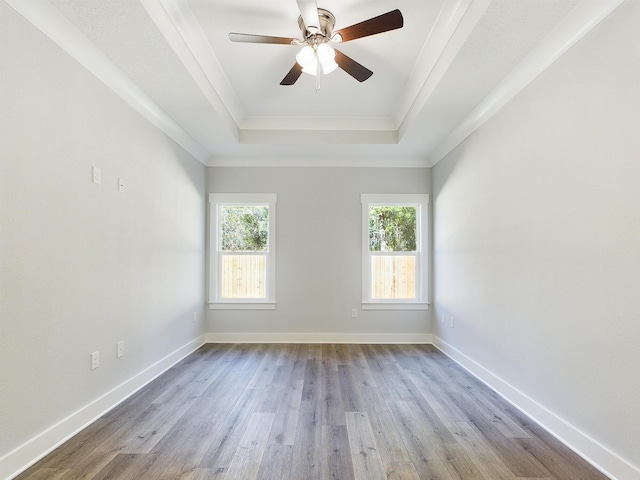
{"points": [[394, 306], [242, 306]]}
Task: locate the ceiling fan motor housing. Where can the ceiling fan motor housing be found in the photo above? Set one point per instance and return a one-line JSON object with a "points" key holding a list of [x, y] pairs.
{"points": [[319, 33], [327, 22]]}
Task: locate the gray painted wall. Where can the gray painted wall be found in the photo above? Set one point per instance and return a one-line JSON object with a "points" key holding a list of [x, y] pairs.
{"points": [[318, 252], [537, 227], [537, 235], [83, 265]]}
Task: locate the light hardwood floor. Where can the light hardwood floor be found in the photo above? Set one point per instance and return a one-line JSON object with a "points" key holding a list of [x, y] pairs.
{"points": [[302, 412]]}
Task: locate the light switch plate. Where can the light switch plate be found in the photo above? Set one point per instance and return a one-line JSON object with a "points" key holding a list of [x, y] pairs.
{"points": [[97, 175], [95, 360]]}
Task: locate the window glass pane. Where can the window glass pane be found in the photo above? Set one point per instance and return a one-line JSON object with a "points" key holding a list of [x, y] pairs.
{"points": [[392, 229], [393, 276], [243, 276], [244, 228]]}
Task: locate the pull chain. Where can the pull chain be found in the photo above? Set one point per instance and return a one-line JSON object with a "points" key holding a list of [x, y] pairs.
{"points": [[318, 72]]}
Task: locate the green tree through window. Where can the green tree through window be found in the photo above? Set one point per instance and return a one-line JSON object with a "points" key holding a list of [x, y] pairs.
{"points": [[394, 251], [242, 262], [244, 228], [392, 229]]}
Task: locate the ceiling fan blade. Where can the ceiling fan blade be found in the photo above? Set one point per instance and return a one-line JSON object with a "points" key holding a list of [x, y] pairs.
{"points": [[249, 38], [382, 23], [352, 67], [293, 75], [309, 14]]}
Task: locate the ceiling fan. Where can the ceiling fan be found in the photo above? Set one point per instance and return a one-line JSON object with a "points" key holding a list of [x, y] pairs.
{"points": [[317, 57]]}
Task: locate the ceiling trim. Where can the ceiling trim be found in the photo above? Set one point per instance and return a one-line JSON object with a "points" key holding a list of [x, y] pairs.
{"points": [[178, 24], [318, 123], [322, 131], [319, 137], [331, 162], [51, 23], [584, 18], [454, 24]]}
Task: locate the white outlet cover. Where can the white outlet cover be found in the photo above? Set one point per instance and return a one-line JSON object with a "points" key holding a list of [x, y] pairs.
{"points": [[97, 176], [95, 360]]}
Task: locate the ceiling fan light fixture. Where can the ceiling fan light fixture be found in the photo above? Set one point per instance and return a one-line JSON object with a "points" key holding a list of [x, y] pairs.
{"points": [[317, 57], [309, 57], [306, 57]]}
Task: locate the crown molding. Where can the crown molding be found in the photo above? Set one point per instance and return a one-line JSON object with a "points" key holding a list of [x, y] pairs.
{"points": [[319, 123], [179, 25], [51, 23], [584, 18], [332, 162], [318, 137], [456, 20]]}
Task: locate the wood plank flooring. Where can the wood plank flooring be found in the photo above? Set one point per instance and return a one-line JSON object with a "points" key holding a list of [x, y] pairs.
{"points": [[304, 412]]}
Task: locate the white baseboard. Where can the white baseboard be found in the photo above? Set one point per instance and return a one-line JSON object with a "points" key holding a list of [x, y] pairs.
{"points": [[601, 457], [594, 452], [33, 450], [318, 338]]}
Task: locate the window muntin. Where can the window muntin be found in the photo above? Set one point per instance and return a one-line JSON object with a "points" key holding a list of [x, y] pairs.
{"points": [[242, 250], [395, 268]]}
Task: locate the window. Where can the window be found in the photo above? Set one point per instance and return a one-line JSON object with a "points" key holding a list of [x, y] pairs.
{"points": [[242, 251], [394, 251]]}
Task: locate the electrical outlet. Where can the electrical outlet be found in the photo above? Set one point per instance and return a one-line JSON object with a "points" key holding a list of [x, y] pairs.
{"points": [[120, 349], [354, 312], [96, 175], [453, 322], [95, 360], [443, 317]]}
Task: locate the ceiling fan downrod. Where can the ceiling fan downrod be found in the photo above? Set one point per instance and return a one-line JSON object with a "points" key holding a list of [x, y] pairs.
{"points": [[324, 33]]}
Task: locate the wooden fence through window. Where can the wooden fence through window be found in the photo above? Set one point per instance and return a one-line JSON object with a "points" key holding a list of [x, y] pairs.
{"points": [[244, 276], [393, 276]]}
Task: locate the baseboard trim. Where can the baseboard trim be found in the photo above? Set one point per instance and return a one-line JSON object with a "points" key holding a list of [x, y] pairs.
{"points": [[319, 338], [18, 460], [598, 455], [607, 461]]}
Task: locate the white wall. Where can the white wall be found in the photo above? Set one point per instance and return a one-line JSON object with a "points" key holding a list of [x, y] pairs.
{"points": [[318, 255], [537, 247], [84, 266]]}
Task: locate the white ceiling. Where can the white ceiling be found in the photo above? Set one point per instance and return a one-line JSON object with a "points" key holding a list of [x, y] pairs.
{"points": [[452, 65]]}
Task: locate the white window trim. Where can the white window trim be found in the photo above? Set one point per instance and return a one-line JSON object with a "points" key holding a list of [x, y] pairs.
{"points": [[421, 302], [215, 302]]}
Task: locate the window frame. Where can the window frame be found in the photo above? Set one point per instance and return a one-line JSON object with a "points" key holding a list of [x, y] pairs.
{"points": [[421, 202], [216, 201]]}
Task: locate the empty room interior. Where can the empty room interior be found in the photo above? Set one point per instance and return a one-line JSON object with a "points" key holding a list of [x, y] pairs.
{"points": [[320, 240]]}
